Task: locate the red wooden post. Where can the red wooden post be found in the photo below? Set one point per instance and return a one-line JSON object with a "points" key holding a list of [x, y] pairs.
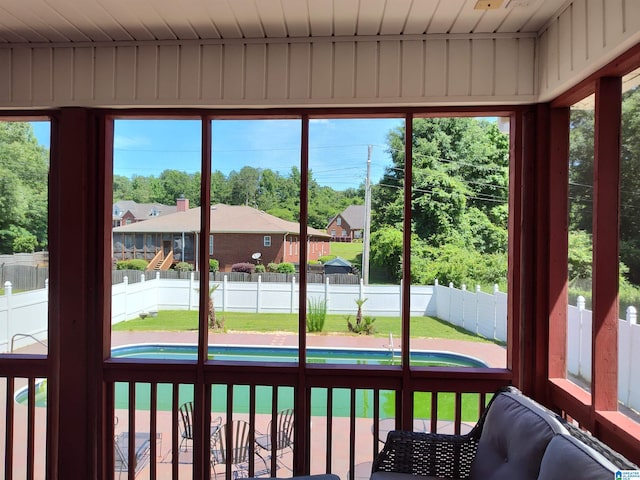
{"points": [[606, 211]]}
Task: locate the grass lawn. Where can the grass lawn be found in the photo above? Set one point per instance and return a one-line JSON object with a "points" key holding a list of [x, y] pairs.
{"points": [[348, 251], [184, 320]]}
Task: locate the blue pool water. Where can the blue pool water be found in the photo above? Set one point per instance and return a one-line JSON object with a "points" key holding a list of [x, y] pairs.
{"points": [[341, 397]]}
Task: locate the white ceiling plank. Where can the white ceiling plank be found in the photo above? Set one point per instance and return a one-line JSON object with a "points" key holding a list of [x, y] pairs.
{"points": [[272, 17], [119, 11], [224, 19], [92, 19], [179, 17], [395, 17], [544, 11], [26, 22], [345, 17], [370, 17], [469, 17], [420, 16], [296, 18], [320, 17], [445, 15], [247, 17]]}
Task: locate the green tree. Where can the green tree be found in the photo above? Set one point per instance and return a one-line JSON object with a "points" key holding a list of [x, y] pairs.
{"points": [[24, 169]]}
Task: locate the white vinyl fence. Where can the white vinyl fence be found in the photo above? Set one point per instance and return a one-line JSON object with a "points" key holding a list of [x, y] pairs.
{"points": [[23, 316]]}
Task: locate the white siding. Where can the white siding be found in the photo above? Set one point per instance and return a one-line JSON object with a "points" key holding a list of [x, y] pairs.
{"points": [[583, 38], [418, 70]]}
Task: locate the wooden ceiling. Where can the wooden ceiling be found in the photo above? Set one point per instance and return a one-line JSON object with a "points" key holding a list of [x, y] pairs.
{"points": [[79, 21]]}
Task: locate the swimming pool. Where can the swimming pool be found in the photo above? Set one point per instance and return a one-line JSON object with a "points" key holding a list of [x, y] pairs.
{"points": [[341, 397]]}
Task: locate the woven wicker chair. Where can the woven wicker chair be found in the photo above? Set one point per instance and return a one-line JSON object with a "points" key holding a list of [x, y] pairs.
{"points": [[430, 454], [452, 456]]}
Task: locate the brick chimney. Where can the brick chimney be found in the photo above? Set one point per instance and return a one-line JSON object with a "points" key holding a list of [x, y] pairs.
{"points": [[182, 204]]}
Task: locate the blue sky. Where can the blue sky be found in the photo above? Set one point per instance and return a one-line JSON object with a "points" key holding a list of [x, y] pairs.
{"points": [[337, 148]]}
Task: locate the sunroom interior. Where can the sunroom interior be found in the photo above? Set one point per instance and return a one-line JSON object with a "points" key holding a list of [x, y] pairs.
{"points": [[85, 69]]}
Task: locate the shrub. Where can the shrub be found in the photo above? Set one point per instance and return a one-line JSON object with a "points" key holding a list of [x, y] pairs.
{"points": [[183, 267], [326, 258], [272, 267], [286, 267], [244, 267], [137, 264], [214, 265], [260, 268], [316, 314], [362, 324]]}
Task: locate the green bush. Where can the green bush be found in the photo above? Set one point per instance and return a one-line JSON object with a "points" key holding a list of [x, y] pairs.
{"points": [[286, 267], [316, 314], [260, 268], [137, 264], [183, 267], [272, 267], [214, 265], [364, 327], [326, 258]]}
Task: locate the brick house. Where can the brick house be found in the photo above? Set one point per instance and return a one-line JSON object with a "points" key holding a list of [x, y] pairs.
{"points": [[237, 232], [348, 225], [126, 212]]}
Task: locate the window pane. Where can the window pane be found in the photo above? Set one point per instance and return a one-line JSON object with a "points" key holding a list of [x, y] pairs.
{"points": [[629, 288], [459, 243], [353, 292], [580, 242], [156, 198], [255, 208], [24, 256]]}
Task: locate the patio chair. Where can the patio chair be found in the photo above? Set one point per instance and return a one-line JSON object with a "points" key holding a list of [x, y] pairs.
{"points": [[121, 452], [238, 452], [284, 435], [186, 424]]}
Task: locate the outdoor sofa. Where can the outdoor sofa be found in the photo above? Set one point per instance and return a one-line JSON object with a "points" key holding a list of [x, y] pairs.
{"points": [[515, 438]]}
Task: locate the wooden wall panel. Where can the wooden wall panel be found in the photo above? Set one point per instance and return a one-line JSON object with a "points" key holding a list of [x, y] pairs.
{"points": [[459, 68], [322, 71], [366, 70], [277, 72], [333, 72], [83, 74], [211, 73], [5, 76], [412, 77], [482, 67], [506, 77], [389, 69], [256, 84], [42, 63], [436, 68], [344, 70], [586, 36]]}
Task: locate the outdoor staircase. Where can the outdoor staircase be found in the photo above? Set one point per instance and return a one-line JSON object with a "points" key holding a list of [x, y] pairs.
{"points": [[160, 262]]}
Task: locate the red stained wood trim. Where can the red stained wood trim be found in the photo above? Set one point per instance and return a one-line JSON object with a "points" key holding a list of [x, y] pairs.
{"points": [[558, 200], [619, 432], [605, 243], [566, 396]]}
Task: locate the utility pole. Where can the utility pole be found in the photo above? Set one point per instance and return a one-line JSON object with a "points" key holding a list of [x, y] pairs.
{"points": [[367, 220]]}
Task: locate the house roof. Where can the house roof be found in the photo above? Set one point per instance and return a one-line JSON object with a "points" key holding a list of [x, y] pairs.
{"points": [[224, 219], [353, 215], [142, 210]]}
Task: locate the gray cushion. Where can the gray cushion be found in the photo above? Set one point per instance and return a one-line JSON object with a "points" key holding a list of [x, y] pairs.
{"points": [[514, 438], [567, 455]]}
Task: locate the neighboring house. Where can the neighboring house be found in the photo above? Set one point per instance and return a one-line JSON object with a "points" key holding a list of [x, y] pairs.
{"points": [[126, 212], [348, 225], [236, 233]]}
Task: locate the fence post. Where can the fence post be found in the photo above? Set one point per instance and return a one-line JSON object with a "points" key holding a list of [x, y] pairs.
{"points": [[225, 291], [7, 293], [449, 316], [293, 293], [258, 293], [142, 278], [581, 304], [496, 290], [190, 289], [125, 282], [464, 289], [157, 275], [632, 319], [326, 293], [478, 291]]}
